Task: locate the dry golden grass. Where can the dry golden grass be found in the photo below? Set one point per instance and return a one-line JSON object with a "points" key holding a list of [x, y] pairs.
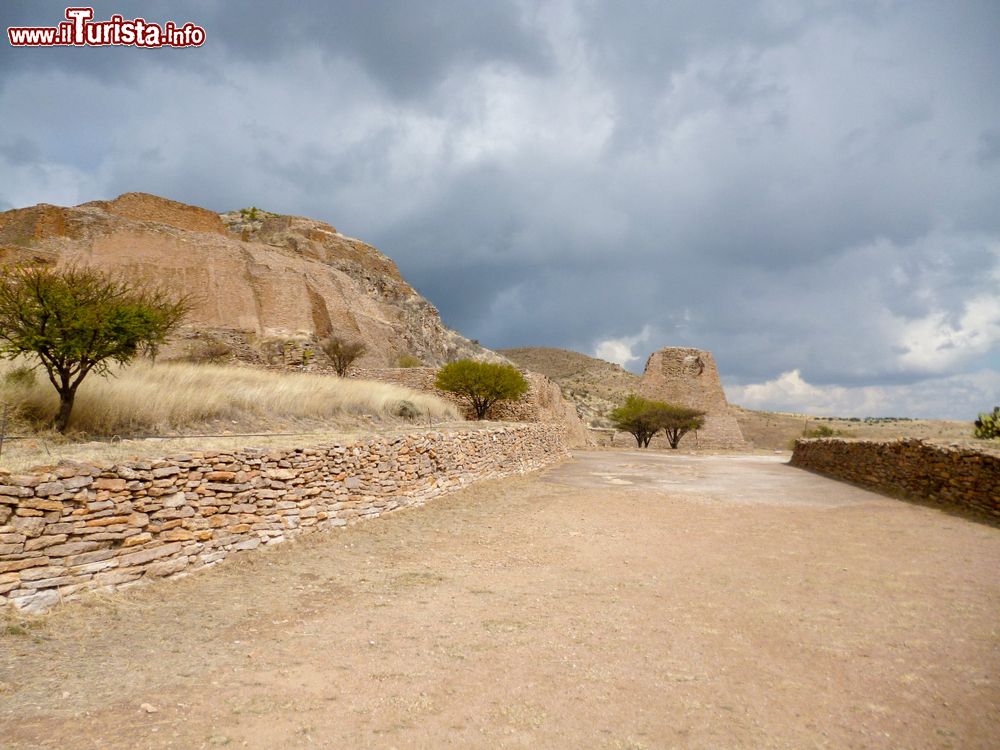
{"points": [[168, 397]]}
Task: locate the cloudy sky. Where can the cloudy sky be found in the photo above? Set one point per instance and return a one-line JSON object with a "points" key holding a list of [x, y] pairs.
{"points": [[810, 189]]}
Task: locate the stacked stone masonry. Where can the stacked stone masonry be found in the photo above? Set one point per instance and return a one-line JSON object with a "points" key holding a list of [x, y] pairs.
{"points": [[76, 527], [955, 476], [681, 375]]}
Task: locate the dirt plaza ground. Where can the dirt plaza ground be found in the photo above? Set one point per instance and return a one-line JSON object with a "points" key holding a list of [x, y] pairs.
{"points": [[620, 600]]}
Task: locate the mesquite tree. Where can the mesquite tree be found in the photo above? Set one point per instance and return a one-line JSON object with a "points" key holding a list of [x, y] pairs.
{"points": [[80, 320], [677, 421], [481, 384], [637, 416], [342, 353], [643, 418]]}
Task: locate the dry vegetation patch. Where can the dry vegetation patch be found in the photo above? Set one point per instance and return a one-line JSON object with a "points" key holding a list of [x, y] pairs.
{"points": [[176, 398]]}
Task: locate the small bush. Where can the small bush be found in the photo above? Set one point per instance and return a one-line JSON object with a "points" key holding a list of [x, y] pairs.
{"points": [[407, 410], [207, 351], [342, 353], [988, 425], [21, 376], [820, 432], [408, 360], [275, 351]]}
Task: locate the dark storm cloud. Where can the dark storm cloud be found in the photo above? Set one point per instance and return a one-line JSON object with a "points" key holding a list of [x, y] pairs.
{"points": [[807, 188], [407, 47]]}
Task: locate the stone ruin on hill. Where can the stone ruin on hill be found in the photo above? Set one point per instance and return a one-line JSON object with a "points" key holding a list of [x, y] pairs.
{"points": [[680, 375]]}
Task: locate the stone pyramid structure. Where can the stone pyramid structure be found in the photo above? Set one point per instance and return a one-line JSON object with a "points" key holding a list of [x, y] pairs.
{"points": [[681, 375]]}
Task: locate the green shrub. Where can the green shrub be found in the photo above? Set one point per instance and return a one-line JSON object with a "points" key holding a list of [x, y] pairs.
{"points": [[988, 425], [21, 376], [408, 360], [407, 410], [820, 432], [481, 384]]}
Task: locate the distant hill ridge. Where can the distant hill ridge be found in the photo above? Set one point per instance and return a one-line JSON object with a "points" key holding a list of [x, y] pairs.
{"points": [[594, 385]]}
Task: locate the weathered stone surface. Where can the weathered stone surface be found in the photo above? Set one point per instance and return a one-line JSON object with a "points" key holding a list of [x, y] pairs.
{"points": [[45, 571], [144, 556], [44, 541], [36, 604], [12, 491], [72, 548], [175, 500], [112, 484], [30, 527], [134, 541], [77, 482], [39, 504], [7, 566], [49, 488], [166, 567]]}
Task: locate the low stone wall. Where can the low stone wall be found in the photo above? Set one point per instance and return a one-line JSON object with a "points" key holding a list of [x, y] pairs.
{"points": [[77, 527], [962, 477]]}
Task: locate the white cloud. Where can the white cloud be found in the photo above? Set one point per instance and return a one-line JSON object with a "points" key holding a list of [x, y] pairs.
{"points": [[620, 350], [934, 343], [953, 397]]}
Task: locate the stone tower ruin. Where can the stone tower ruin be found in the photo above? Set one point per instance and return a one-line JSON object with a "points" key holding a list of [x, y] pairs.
{"points": [[679, 375]]}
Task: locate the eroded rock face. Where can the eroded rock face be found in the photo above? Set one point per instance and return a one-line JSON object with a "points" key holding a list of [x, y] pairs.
{"points": [[255, 276], [681, 375]]}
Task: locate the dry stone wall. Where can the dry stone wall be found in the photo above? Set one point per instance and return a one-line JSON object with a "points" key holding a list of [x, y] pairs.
{"points": [[78, 527], [956, 476]]}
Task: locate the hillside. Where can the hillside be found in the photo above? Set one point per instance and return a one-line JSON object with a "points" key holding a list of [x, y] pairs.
{"points": [[593, 385], [260, 280]]}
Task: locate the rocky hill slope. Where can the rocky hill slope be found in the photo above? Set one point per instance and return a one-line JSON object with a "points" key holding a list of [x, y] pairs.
{"points": [[593, 385], [259, 279]]}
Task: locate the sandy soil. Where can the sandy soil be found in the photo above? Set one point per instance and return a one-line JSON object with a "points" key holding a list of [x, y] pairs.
{"points": [[623, 600]]}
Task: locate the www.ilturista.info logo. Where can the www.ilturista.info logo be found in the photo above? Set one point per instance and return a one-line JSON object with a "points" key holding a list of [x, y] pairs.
{"points": [[79, 30]]}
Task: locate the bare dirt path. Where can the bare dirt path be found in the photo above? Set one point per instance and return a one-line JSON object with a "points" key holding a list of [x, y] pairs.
{"points": [[622, 600]]}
